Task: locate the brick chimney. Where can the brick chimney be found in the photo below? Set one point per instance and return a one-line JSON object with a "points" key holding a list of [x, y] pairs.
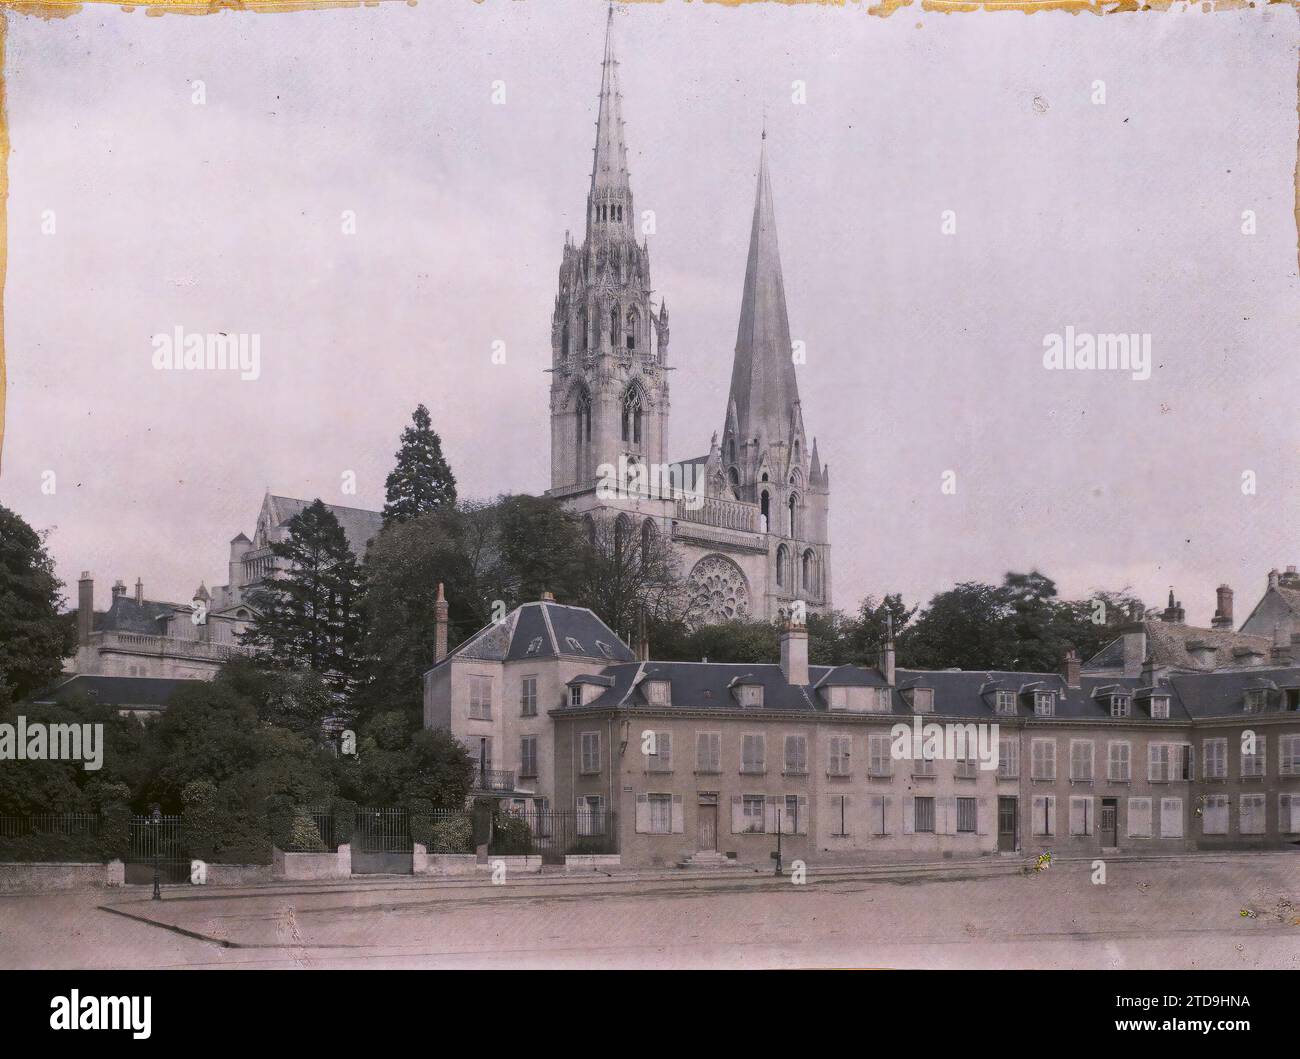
{"points": [[794, 652], [1070, 668], [139, 592], [642, 646], [85, 608], [439, 626], [548, 597], [119, 589], [887, 656], [1174, 613], [1135, 647], [1223, 612], [1280, 654], [1273, 577]]}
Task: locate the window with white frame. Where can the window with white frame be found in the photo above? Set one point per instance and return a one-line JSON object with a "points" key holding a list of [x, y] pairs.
{"points": [[528, 755], [1214, 814], [534, 645], [661, 758], [590, 759], [967, 815], [1081, 755], [1044, 703], [751, 694], [752, 814], [753, 753], [528, 697], [796, 755], [1081, 815], [1214, 754], [480, 698], [1288, 814], [1171, 818], [1043, 815], [1120, 705], [661, 813], [792, 815], [1008, 759], [923, 766], [922, 700], [1288, 755], [575, 645], [1252, 763], [708, 752], [575, 694], [1255, 701], [1119, 761], [1167, 762], [839, 746], [879, 761], [966, 768], [884, 700], [1160, 707], [1139, 818], [1251, 820], [1006, 702], [658, 692], [1042, 759]]}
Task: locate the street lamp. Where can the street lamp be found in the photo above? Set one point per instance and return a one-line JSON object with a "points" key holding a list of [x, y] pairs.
{"points": [[777, 855], [155, 820]]}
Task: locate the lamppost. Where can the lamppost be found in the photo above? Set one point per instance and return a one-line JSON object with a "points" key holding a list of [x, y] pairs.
{"points": [[155, 821], [777, 854]]}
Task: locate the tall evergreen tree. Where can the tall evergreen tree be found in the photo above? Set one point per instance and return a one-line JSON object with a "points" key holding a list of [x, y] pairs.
{"points": [[421, 481], [310, 616], [33, 637]]}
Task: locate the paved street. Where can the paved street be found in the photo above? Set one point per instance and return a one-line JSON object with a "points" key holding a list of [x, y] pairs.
{"points": [[1175, 912]]}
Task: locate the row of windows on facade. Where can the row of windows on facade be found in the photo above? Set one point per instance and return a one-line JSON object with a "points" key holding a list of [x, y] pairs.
{"points": [[1166, 762], [662, 813]]}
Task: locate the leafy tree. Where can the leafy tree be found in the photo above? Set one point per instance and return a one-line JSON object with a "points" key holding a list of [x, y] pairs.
{"points": [[421, 481], [299, 700], [398, 761], [629, 571], [34, 639], [309, 616]]}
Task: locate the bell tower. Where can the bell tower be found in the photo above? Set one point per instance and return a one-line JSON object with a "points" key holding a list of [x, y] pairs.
{"points": [[609, 385]]}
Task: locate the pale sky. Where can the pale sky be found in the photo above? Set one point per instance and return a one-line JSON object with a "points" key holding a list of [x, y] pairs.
{"points": [[924, 349]]}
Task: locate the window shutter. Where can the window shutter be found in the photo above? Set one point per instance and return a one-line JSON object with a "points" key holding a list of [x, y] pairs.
{"points": [[909, 815], [803, 815], [884, 816], [1076, 816], [1171, 818], [1040, 811], [769, 814], [982, 817], [737, 814], [679, 815], [642, 814], [949, 806]]}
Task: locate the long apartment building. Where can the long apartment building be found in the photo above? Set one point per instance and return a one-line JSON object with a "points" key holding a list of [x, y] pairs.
{"points": [[703, 761]]}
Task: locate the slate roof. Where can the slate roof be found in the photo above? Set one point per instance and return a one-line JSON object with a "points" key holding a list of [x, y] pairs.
{"points": [[126, 615], [360, 525], [121, 692], [1167, 644], [545, 629]]}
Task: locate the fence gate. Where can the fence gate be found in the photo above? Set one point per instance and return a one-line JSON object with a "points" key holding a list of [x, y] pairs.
{"points": [[165, 837], [381, 843]]}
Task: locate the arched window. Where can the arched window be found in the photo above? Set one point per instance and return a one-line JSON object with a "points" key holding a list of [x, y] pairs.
{"points": [[764, 504], [582, 328], [794, 516], [613, 327], [810, 572], [589, 524], [780, 566], [583, 417], [621, 525], [734, 476], [648, 533], [632, 415], [796, 452], [564, 339]]}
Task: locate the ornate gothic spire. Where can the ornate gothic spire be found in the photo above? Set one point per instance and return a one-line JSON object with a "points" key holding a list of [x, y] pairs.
{"points": [[609, 168], [763, 386]]}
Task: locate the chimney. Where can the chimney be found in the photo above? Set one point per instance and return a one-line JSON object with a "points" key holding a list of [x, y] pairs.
{"points": [[439, 626], [139, 592], [642, 647], [794, 652], [1290, 578], [1174, 613], [1281, 653], [85, 608], [1135, 648], [548, 597], [1149, 671], [1070, 668], [119, 589], [1223, 612], [887, 668], [1273, 578]]}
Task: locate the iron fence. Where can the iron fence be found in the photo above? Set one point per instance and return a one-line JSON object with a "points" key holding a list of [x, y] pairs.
{"points": [[494, 780], [49, 824], [323, 819], [163, 840], [554, 835]]}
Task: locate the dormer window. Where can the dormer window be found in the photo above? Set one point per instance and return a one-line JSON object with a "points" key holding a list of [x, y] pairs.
{"points": [[1005, 702], [1160, 707], [575, 695], [658, 692], [604, 649], [1044, 703], [535, 645], [883, 701], [575, 645], [1121, 705], [751, 694], [920, 699], [1256, 700]]}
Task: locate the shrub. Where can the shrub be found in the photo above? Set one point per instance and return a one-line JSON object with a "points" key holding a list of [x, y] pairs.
{"points": [[304, 835], [511, 835], [452, 834], [420, 816], [345, 820]]}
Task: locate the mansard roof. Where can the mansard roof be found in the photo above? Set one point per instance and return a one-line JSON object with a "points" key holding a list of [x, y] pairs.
{"points": [[1169, 644], [545, 629], [119, 692], [124, 614]]}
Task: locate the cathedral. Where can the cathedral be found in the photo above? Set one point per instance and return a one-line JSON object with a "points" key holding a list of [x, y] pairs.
{"points": [[749, 518]]}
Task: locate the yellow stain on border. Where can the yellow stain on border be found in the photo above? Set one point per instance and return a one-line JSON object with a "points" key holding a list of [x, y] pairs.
{"points": [[49, 9]]}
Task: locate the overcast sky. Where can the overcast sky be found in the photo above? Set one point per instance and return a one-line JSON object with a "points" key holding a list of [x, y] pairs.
{"points": [[925, 349]]}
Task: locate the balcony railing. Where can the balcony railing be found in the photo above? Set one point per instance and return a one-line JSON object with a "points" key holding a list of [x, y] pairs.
{"points": [[713, 511], [494, 779], [170, 646]]}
